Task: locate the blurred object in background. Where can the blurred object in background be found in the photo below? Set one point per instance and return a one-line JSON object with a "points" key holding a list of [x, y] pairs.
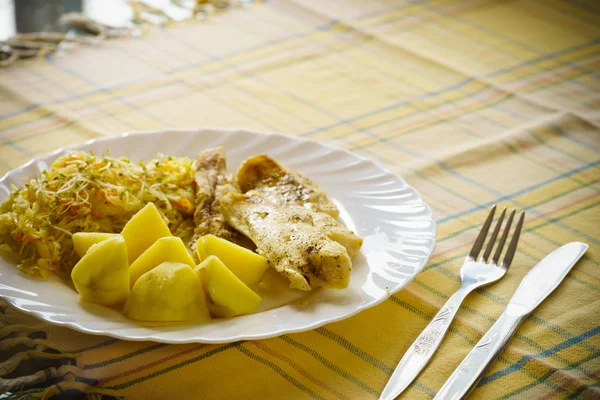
{"points": [[109, 12], [42, 15], [24, 16], [45, 26], [7, 19]]}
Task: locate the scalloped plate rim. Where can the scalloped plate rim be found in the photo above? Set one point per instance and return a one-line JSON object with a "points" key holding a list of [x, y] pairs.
{"points": [[273, 333]]}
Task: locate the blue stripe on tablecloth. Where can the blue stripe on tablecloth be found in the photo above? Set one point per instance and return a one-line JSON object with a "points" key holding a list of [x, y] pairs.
{"points": [[449, 88], [521, 363], [103, 89], [519, 192], [119, 98], [563, 134]]}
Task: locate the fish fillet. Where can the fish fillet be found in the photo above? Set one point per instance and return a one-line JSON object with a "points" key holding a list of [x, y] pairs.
{"points": [[305, 246], [213, 181], [281, 185]]}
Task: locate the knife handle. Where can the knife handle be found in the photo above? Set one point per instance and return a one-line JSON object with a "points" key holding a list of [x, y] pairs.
{"points": [[476, 363], [422, 349]]}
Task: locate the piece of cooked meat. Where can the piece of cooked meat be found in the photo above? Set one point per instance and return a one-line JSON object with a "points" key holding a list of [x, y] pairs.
{"points": [[338, 232], [304, 245], [213, 181], [281, 185]]}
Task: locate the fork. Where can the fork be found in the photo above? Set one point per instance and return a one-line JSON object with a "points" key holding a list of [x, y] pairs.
{"points": [[473, 274]]}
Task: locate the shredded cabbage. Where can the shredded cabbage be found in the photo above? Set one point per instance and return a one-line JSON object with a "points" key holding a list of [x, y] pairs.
{"points": [[83, 192]]}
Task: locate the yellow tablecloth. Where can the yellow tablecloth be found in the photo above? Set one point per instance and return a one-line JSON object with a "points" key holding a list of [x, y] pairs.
{"points": [[473, 102]]}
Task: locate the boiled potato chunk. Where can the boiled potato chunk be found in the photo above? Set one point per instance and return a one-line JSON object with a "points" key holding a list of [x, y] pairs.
{"points": [[229, 295], [169, 292], [245, 264], [102, 275], [164, 249], [82, 241], [143, 229], [217, 311]]}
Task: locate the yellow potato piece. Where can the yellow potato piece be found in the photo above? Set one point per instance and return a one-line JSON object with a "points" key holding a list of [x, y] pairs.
{"points": [[229, 295], [217, 311], [143, 229], [245, 264], [82, 241], [164, 249], [169, 292], [102, 275]]}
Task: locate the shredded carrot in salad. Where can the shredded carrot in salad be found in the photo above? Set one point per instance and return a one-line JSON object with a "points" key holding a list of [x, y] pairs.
{"points": [[84, 192]]}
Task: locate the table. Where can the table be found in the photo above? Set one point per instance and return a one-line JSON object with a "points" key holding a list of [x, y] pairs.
{"points": [[473, 102]]}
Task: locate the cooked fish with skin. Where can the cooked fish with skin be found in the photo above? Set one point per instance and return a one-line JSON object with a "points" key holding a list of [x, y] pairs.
{"points": [[213, 181], [301, 244], [338, 232], [281, 185]]}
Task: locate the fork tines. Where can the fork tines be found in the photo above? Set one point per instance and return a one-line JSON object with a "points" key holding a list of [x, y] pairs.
{"points": [[512, 247]]}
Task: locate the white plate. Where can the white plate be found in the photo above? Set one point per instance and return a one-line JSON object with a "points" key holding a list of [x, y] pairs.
{"points": [[396, 223]]}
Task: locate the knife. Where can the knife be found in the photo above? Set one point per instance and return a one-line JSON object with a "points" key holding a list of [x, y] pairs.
{"points": [[535, 287]]}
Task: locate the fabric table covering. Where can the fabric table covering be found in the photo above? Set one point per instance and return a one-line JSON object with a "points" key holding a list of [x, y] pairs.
{"points": [[474, 103]]}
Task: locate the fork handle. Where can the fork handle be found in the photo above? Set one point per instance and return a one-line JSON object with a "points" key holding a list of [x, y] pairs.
{"points": [[420, 352]]}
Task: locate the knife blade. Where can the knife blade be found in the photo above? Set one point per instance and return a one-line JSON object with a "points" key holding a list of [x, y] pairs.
{"points": [[534, 288]]}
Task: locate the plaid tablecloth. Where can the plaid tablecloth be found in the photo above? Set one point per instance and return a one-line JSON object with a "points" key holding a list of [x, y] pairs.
{"points": [[473, 102]]}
